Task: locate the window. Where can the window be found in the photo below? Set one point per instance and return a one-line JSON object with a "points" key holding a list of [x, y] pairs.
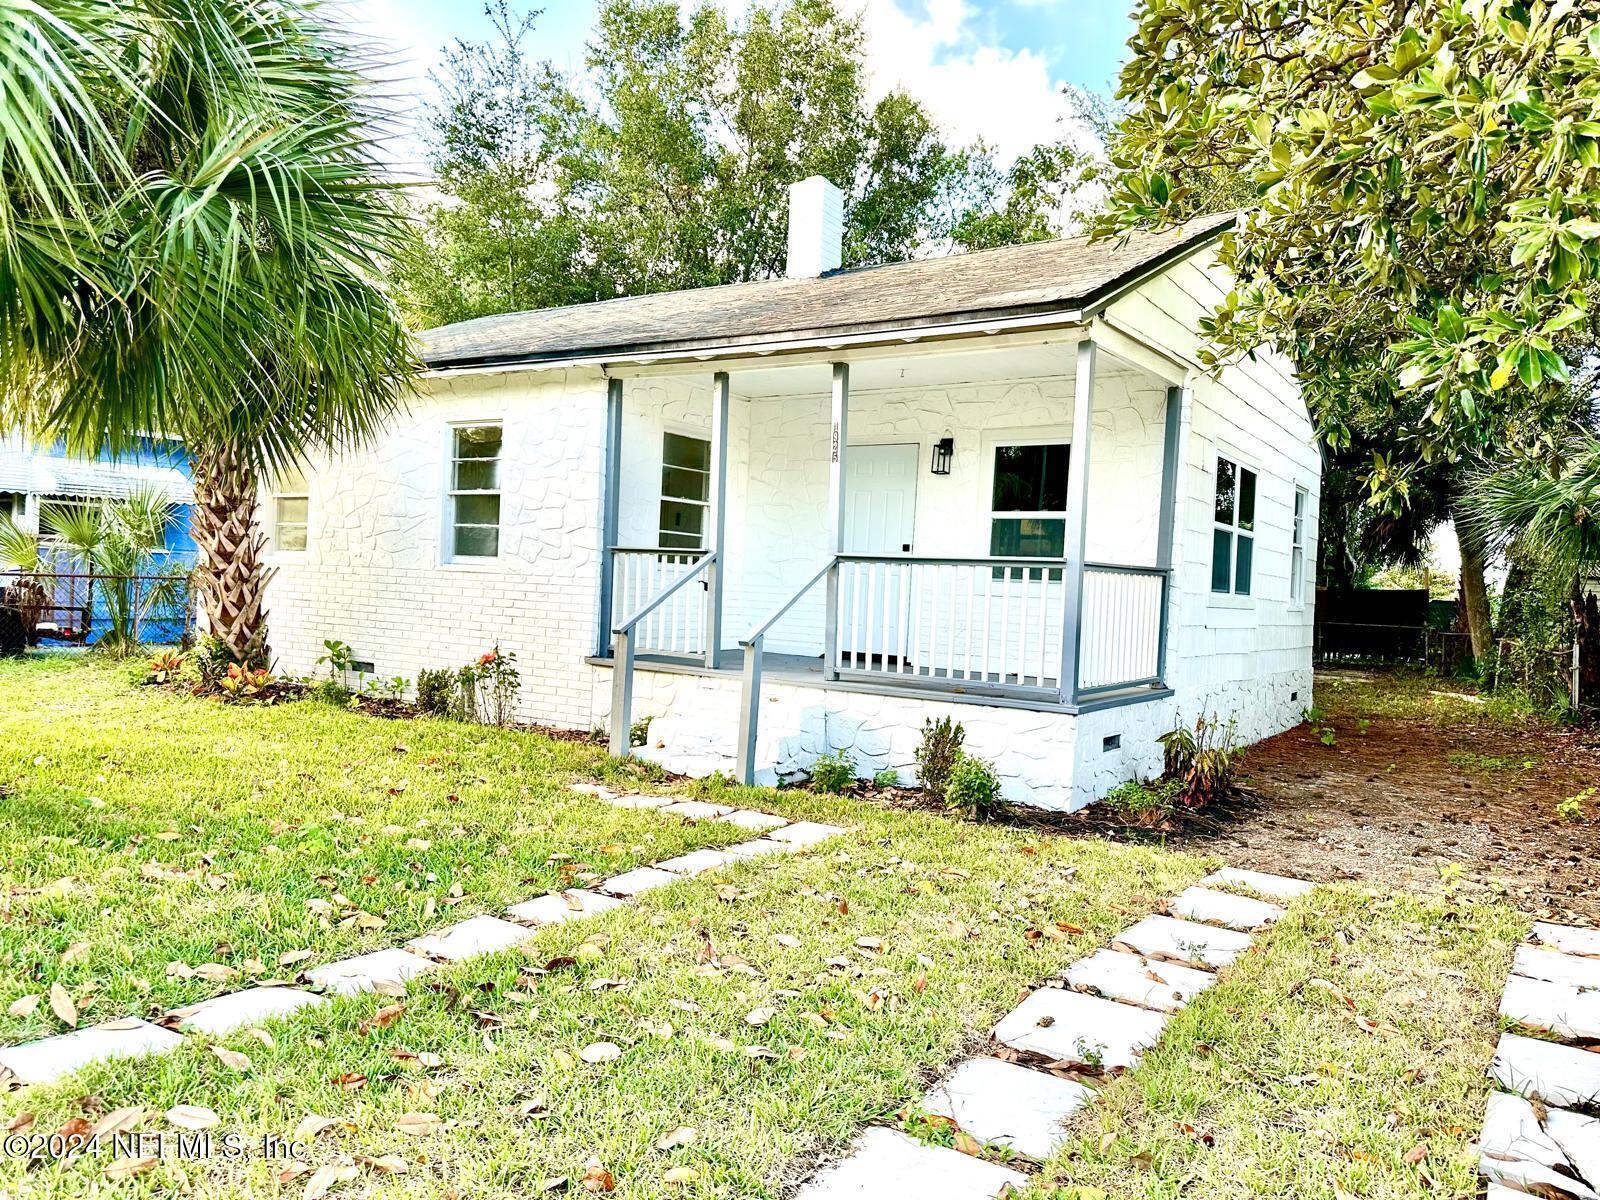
{"points": [[291, 510], [685, 491], [475, 492], [1233, 541], [1297, 552], [1028, 510]]}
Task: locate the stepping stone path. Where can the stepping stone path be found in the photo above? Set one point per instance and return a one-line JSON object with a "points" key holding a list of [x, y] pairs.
{"points": [[1113, 1008], [1539, 1135], [51, 1058]]}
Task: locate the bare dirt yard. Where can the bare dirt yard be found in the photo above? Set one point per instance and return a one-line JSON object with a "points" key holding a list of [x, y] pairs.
{"points": [[1416, 783]]}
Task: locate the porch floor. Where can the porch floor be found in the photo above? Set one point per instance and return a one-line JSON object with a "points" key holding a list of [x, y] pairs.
{"points": [[806, 671]]}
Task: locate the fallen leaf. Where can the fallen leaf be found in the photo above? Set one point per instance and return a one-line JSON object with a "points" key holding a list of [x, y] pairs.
{"points": [[191, 1116], [681, 1175], [311, 1125], [388, 1164], [290, 957], [786, 939], [118, 1120], [382, 1019], [419, 1124], [127, 1168], [61, 1004], [683, 1135], [20, 1123], [231, 1059], [24, 1006], [596, 1178], [321, 1182], [966, 1143], [1416, 1154], [759, 1016], [599, 1052]]}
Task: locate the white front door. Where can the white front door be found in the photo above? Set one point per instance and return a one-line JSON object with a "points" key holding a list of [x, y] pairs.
{"points": [[880, 519], [880, 499]]}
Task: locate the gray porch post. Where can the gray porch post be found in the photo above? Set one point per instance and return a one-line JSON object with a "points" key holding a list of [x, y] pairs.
{"points": [[1077, 521], [838, 443], [1167, 530], [716, 536], [610, 507]]}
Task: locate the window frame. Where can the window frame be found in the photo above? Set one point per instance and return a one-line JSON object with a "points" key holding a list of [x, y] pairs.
{"points": [[453, 459], [993, 445], [280, 493], [1236, 532], [663, 499], [1299, 518]]}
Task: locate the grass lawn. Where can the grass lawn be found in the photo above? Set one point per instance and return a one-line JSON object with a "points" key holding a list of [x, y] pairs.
{"points": [[755, 1029]]}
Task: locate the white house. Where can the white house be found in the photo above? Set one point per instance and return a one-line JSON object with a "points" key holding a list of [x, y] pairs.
{"points": [[778, 518]]}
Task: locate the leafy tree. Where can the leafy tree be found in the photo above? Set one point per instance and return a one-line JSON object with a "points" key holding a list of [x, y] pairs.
{"points": [[190, 231], [666, 164], [1425, 228]]}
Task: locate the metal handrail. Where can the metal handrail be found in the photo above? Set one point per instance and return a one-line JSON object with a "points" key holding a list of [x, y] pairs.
{"points": [[938, 561], [753, 645], [622, 656]]}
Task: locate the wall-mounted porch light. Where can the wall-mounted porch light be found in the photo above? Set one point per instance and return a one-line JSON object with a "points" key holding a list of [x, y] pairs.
{"points": [[943, 451]]}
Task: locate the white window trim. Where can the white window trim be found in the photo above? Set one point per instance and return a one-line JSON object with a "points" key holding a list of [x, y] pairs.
{"points": [[693, 434], [1043, 435], [1298, 544], [1232, 598], [278, 496], [448, 534]]}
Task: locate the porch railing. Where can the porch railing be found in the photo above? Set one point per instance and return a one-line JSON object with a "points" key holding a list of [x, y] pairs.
{"points": [[640, 576], [993, 622], [753, 644], [627, 633], [1124, 639]]}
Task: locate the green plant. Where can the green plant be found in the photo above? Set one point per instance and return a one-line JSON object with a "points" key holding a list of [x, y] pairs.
{"points": [[164, 665], [639, 731], [973, 789], [436, 691], [211, 662], [1201, 759], [1145, 803], [936, 756], [1327, 736], [386, 689], [834, 771], [886, 778], [1571, 809], [337, 657], [489, 687], [241, 684]]}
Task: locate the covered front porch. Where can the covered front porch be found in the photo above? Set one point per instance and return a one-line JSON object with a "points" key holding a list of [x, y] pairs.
{"points": [[986, 521]]}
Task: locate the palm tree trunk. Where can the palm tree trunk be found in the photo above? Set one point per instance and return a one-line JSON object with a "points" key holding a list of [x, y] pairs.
{"points": [[1475, 590], [229, 574]]}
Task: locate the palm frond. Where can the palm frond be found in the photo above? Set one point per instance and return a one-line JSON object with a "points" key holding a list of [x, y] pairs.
{"points": [[1552, 510], [19, 549]]}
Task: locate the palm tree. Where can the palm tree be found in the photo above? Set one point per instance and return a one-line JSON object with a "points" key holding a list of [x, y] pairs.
{"points": [[192, 230]]}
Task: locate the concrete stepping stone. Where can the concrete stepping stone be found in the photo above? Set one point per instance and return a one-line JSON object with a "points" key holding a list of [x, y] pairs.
{"points": [[1535, 963], [556, 907], [470, 938], [697, 862], [349, 976], [756, 822], [1224, 908], [697, 810], [1564, 1076], [1567, 938], [640, 879], [638, 800], [1186, 942], [885, 1163], [221, 1014], [1163, 986], [805, 833], [1516, 1151], [759, 847], [1278, 887], [1579, 1139], [1561, 1008], [1009, 1105], [51, 1058], [1074, 1028]]}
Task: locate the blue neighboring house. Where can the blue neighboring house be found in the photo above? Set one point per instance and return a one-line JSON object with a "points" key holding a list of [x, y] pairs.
{"points": [[33, 478]]}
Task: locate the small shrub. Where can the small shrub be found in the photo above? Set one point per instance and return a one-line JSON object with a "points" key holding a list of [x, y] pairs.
{"points": [[639, 731], [1571, 809], [1201, 760], [330, 691], [386, 689], [164, 666], [436, 691], [240, 685], [211, 662], [833, 772], [1142, 803], [489, 687], [337, 656], [886, 778], [973, 790], [936, 757]]}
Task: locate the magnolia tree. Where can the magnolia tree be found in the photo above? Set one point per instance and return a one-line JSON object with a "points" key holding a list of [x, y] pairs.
{"points": [[1424, 231]]}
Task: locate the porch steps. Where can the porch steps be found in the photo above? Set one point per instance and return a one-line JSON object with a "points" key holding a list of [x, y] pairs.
{"points": [[698, 749]]}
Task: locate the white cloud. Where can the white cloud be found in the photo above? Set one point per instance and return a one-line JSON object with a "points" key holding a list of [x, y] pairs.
{"points": [[974, 88]]}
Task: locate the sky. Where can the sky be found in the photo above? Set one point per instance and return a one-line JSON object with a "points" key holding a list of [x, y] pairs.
{"points": [[989, 68]]}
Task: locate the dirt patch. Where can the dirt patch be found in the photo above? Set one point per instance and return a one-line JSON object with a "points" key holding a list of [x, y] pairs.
{"points": [[1420, 804]]}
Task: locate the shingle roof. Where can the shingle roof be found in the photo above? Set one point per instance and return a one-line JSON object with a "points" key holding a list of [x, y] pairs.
{"points": [[1038, 277]]}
